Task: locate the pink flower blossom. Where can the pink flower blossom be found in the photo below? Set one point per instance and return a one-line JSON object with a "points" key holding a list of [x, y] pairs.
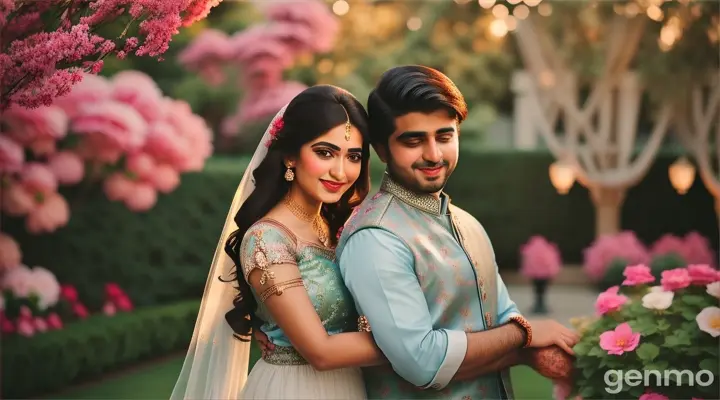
{"points": [[29, 125], [118, 187], [12, 156], [698, 250], [121, 124], [142, 198], [43, 147], [45, 287], [165, 179], [25, 327], [637, 275], [653, 396], [69, 293], [206, 54], [609, 301], [25, 312], [18, 280], [7, 326], [16, 200], [619, 341], [10, 255], [702, 274], [109, 309], [140, 91], [80, 310], [123, 303], [540, 259], [53, 213], [40, 324], [113, 290], [606, 248], [100, 148], [141, 165], [675, 279], [38, 178], [92, 89], [68, 167], [54, 322]]}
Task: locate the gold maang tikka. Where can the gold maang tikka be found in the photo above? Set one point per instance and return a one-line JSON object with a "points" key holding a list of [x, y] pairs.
{"points": [[347, 125]]}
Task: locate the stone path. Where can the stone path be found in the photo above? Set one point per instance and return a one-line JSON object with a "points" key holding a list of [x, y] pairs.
{"points": [[563, 301]]}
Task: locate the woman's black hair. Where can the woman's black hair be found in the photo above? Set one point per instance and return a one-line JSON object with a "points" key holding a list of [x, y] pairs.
{"points": [[309, 115]]}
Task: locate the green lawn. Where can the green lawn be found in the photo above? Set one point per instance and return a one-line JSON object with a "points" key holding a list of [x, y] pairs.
{"points": [[156, 381]]}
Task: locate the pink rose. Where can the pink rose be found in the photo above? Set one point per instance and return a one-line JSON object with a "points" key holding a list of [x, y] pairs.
{"points": [[609, 301], [165, 179], [702, 274], [637, 275], [620, 340], [653, 396], [16, 200], [118, 187], [109, 309], [12, 156], [54, 321], [142, 198], [37, 177], [675, 279], [10, 255], [119, 123], [68, 167], [53, 213]]}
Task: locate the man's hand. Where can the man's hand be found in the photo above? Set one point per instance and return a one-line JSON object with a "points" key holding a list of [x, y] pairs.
{"points": [[263, 341], [551, 362], [548, 332]]}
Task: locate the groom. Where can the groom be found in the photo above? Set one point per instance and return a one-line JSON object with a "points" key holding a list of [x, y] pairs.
{"points": [[421, 270]]}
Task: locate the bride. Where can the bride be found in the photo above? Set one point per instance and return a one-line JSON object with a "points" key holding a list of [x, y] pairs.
{"points": [[310, 169]]}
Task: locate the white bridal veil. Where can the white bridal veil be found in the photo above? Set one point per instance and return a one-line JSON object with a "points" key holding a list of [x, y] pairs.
{"points": [[216, 364]]}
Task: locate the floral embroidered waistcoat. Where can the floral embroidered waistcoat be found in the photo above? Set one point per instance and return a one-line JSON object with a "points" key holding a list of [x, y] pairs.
{"points": [[455, 267]]}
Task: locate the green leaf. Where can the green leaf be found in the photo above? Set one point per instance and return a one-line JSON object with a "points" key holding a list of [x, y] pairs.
{"points": [[587, 392], [657, 366], [582, 348], [597, 351], [662, 324], [693, 299], [689, 314], [647, 352]]}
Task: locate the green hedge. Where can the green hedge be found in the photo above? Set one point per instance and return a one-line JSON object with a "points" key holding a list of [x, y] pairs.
{"points": [[88, 349], [164, 255]]}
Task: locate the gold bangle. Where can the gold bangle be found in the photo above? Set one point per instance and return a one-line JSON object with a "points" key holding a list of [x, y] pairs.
{"points": [[363, 324], [279, 288], [520, 320]]}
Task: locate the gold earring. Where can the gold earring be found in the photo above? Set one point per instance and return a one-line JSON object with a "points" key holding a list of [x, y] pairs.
{"points": [[289, 174]]}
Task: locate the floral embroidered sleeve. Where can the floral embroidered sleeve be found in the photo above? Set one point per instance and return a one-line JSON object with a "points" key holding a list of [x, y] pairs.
{"points": [[263, 246]]}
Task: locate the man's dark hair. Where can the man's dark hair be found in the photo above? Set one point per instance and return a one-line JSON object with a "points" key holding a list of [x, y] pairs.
{"points": [[411, 88]]}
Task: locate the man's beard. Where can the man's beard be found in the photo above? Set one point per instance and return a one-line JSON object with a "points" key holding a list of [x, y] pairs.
{"points": [[417, 186]]}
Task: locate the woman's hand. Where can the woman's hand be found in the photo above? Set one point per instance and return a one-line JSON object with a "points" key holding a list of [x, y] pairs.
{"points": [[263, 341]]}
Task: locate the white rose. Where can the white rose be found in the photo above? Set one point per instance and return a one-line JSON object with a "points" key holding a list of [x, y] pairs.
{"points": [[658, 300], [713, 289], [708, 320]]}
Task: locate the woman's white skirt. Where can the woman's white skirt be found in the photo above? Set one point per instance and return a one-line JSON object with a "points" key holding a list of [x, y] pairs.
{"points": [[269, 381]]}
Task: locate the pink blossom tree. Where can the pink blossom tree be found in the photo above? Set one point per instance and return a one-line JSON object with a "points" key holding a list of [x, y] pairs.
{"points": [[47, 46], [261, 53]]}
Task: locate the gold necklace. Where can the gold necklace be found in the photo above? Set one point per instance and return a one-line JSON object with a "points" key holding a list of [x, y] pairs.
{"points": [[318, 223]]}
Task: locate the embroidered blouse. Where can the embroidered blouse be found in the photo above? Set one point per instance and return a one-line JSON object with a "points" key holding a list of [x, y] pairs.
{"points": [[268, 243]]}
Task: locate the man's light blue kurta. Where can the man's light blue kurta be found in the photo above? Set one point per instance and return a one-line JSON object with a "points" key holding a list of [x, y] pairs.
{"points": [[378, 268]]}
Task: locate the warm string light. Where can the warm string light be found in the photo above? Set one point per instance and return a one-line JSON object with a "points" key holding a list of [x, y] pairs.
{"points": [[341, 7]]}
